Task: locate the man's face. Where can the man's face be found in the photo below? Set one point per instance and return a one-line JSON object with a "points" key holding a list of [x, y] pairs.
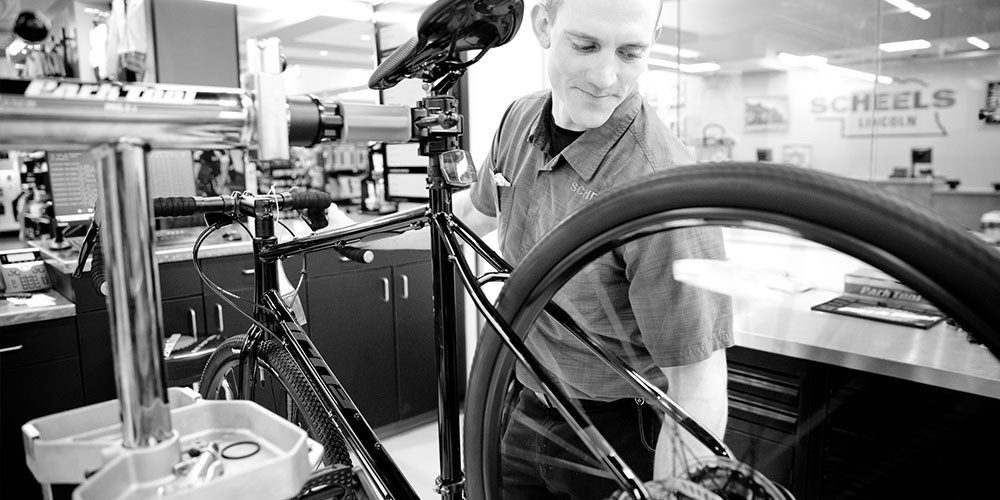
{"points": [[598, 49]]}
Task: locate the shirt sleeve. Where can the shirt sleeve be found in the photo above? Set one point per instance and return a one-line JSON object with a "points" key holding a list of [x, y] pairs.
{"points": [[484, 192], [680, 324]]}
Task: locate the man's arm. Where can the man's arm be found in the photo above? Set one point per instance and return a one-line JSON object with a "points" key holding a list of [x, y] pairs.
{"points": [[701, 389], [463, 208]]}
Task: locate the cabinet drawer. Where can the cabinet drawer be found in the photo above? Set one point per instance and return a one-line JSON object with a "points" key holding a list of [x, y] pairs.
{"points": [[36, 342], [236, 272], [177, 279]]}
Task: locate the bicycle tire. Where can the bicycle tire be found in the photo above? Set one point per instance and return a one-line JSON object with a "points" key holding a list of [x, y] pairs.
{"points": [[947, 265], [275, 360]]}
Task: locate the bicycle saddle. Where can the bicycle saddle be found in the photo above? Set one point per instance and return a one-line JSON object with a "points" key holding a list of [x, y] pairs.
{"points": [[445, 30]]}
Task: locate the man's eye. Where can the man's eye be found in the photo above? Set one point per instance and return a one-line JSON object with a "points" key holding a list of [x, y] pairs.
{"points": [[584, 47], [630, 56]]}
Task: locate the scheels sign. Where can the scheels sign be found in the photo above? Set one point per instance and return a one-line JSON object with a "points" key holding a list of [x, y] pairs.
{"points": [[903, 112]]}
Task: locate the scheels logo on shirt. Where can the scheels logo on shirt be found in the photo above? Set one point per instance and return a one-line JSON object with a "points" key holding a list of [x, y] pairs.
{"points": [[582, 191]]}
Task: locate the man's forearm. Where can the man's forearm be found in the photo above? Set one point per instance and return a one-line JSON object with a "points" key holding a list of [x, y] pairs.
{"points": [[701, 390]]}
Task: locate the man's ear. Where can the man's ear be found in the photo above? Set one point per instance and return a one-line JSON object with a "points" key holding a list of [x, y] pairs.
{"points": [[542, 25]]}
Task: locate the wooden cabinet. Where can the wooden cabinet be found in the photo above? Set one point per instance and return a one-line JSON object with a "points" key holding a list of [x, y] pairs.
{"points": [[189, 308], [39, 378], [374, 324], [351, 323]]}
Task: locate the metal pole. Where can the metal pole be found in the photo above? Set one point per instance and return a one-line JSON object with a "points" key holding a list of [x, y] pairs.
{"points": [[451, 482], [133, 292]]}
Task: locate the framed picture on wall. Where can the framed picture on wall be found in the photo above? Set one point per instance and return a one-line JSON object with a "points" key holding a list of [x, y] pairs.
{"points": [[799, 155], [766, 113]]}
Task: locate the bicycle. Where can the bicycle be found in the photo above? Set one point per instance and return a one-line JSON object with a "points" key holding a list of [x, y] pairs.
{"points": [[842, 214]]}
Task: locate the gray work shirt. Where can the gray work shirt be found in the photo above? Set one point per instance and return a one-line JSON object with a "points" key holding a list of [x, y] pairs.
{"points": [[628, 297]]}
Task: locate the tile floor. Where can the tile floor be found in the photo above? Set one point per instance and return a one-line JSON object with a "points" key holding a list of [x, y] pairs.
{"points": [[416, 453]]}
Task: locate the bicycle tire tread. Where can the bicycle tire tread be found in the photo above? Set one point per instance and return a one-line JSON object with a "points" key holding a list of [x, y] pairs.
{"points": [[280, 362]]}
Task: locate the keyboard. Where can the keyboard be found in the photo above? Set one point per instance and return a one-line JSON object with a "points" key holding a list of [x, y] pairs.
{"points": [[916, 315]]}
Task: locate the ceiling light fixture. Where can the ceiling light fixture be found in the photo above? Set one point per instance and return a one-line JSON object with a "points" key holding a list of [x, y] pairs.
{"points": [[686, 68], [907, 6], [978, 42], [670, 50], [354, 10], [904, 45], [801, 61], [820, 63], [858, 75]]}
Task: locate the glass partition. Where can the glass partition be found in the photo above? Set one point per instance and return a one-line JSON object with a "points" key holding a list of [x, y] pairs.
{"points": [[880, 90]]}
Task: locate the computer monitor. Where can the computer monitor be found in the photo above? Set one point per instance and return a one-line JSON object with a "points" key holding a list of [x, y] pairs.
{"points": [[73, 180], [405, 173]]}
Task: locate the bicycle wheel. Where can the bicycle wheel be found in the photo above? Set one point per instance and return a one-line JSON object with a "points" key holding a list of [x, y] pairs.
{"points": [[947, 265], [282, 388]]}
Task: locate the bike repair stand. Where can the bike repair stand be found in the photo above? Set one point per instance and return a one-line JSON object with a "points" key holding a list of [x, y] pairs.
{"points": [[146, 444], [438, 125]]}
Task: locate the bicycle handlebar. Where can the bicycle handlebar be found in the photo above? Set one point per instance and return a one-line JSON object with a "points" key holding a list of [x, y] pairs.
{"points": [[314, 203]]}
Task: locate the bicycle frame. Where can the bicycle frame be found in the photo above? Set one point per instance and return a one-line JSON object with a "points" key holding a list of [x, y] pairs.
{"points": [[447, 231], [30, 115]]}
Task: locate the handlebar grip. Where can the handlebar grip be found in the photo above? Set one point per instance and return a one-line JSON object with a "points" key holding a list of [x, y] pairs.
{"points": [[307, 200], [360, 255], [174, 206]]}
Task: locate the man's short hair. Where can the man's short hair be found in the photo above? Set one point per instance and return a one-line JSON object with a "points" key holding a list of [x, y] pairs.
{"points": [[552, 6]]}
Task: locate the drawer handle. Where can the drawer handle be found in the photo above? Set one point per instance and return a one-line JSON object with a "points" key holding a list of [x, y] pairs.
{"points": [[247, 272], [218, 311], [194, 323], [385, 289], [406, 287], [12, 348]]}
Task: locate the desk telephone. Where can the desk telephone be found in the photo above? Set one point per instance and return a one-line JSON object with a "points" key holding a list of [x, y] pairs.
{"points": [[23, 271]]}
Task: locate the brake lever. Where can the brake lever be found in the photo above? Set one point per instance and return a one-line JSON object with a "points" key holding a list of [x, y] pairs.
{"points": [[86, 248]]}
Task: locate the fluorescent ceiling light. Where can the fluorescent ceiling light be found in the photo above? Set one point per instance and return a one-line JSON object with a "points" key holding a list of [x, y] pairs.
{"points": [[700, 67], [819, 62], [858, 75], [670, 50], [904, 45], [686, 68], [978, 42], [907, 6], [801, 61], [354, 10]]}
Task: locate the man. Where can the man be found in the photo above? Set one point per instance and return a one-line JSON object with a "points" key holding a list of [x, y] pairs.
{"points": [[554, 151]]}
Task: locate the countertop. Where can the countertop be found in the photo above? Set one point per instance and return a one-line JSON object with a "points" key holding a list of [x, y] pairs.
{"points": [[783, 323]]}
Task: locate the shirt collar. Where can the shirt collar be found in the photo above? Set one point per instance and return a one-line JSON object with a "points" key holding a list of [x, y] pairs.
{"points": [[588, 151]]}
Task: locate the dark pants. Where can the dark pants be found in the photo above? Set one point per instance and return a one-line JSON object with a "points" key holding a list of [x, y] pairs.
{"points": [[543, 458]]}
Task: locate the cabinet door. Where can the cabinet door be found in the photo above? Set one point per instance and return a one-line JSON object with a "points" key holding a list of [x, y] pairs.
{"points": [[351, 323], [416, 355], [182, 316], [30, 392], [222, 319]]}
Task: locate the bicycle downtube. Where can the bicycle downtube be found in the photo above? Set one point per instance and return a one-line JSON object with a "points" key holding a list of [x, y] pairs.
{"points": [[385, 474]]}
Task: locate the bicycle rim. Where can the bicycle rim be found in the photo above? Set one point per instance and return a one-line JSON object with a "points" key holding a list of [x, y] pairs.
{"points": [[947, 265], [281, 387]]}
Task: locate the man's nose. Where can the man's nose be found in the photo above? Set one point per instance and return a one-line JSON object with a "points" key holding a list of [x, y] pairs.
{"points": [[604, 73]]}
